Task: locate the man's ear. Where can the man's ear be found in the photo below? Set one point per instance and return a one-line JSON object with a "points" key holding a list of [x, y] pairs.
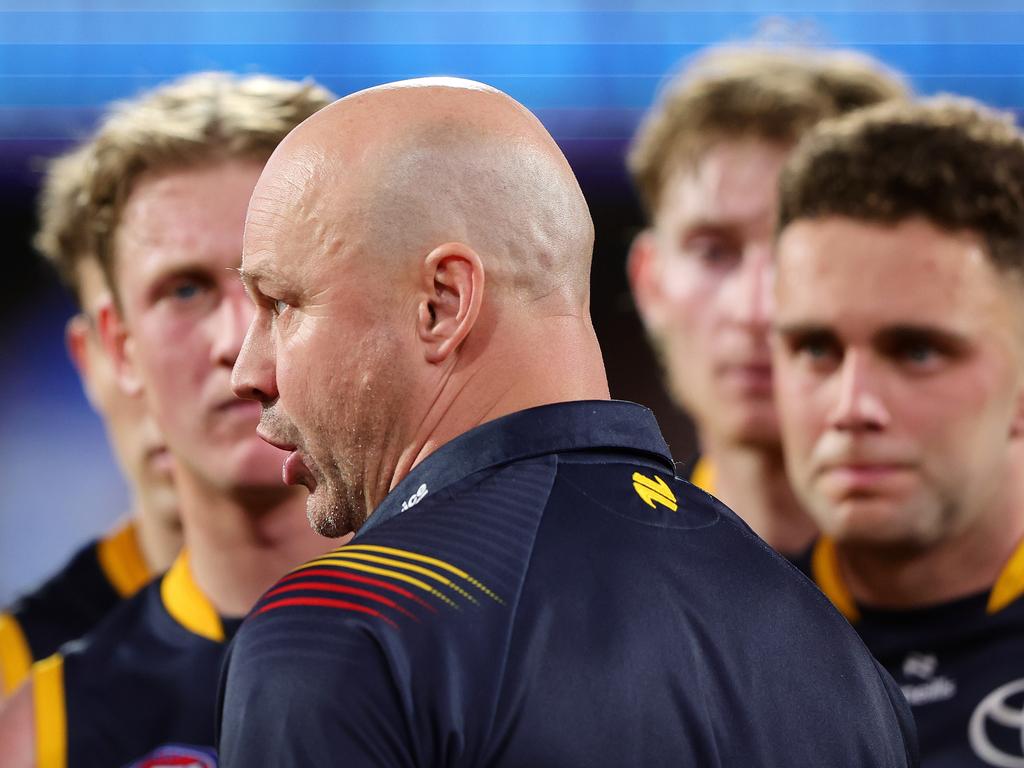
{"points": [[76, 339], [644, 275], [452, 277], [1017, 424], [120, 345]]}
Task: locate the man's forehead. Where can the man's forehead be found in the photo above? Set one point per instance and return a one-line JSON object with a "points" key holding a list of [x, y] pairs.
{"points": [[731, 183]]}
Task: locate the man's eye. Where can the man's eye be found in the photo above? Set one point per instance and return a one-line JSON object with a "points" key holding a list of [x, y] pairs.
{"points": [[714, 252], [186, 290], [919, 353], [280, 306], [817, 349]]}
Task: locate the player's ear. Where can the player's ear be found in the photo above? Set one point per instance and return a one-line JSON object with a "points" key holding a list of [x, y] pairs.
{"points": [[76, 339], [120, 345], [76, 334], [645, 278], [452, 280]]}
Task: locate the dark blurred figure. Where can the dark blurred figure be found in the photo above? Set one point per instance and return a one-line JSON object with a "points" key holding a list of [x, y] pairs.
{"points": [[165, 186], [899, 364], [706, 163], [113, 568]]}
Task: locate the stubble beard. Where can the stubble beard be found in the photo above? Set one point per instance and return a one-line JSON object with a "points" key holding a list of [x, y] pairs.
{"points": [[341, 503]]}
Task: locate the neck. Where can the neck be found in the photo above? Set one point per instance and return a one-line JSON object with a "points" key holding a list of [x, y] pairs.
{"points": [[751, 480], [908, 577], [240, 543], [158, 529], [558, 360]]}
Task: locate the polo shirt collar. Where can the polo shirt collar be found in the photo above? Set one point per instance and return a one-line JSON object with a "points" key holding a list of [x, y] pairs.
{"points": [[584, 425]]}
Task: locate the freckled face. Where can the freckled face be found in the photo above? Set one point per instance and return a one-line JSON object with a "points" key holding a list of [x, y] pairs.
{"points": [[179, 246]]}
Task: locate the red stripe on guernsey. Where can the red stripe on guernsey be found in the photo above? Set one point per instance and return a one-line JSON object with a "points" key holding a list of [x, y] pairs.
{"points": [[339, 574], [324, 602], [319, 585]]}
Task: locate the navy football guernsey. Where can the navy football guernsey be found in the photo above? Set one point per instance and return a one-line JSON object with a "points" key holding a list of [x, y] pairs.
{"points": [[138, 690], [542, 591], [960, 664], [69, 604]]}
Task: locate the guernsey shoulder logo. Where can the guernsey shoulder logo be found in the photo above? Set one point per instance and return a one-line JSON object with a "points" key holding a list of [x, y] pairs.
{"points": [[654, 491]]}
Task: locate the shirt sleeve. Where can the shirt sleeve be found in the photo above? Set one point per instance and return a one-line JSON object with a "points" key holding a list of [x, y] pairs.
{"points": [[904, 717], [319, 694]]}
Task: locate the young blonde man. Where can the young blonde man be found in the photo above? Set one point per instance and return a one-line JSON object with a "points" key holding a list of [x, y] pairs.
{"points": [[170, 176]]}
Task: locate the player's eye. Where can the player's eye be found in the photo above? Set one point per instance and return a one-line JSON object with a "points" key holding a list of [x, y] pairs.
{"points": [[185, 290], [819, 349], [280, 306], [918, 351], [713, 251]]}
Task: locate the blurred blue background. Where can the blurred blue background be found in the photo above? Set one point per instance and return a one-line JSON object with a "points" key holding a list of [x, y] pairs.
{"points": [[588, 69]]}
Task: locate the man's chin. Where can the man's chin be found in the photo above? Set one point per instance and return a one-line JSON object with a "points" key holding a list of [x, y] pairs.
{"points": [[326, 518], [753, 429], [877, 524]]}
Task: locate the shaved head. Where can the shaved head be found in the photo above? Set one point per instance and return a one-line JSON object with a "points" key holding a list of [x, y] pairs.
{"points": [[420, 254], [424, 162]]}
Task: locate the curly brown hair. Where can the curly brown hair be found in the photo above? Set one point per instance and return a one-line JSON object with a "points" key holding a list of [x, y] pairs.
{"points": [[197, 119], [746, 92], [952, 161]]}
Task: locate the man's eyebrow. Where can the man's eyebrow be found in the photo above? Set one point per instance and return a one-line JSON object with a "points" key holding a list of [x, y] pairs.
{"points": [[250, 277], [800, 329], [908, 333]]}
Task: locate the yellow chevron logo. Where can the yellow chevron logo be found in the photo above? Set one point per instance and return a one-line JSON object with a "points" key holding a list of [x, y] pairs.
{"points": [[654, 491]]}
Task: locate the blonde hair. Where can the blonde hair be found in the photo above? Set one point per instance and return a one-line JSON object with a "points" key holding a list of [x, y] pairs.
{"points": [[732, 92], [197, 119]]}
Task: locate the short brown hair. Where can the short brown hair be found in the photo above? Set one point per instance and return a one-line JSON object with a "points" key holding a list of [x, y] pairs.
{"points": [[749, 92], [951, 161], [197, 119]]}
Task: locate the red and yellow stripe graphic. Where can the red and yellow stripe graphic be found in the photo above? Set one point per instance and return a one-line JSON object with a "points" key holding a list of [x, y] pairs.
{"points": [[384, 582]]}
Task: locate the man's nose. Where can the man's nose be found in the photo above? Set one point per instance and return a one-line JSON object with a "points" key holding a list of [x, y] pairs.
{"points": [[859, 404], [749, 300], [232, 321]]}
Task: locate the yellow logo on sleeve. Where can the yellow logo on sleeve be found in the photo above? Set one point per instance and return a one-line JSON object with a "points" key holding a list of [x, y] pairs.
{"points": [[654, 491]]}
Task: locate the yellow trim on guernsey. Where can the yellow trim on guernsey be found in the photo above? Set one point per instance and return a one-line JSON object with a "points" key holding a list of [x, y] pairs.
{"points": [[122, 561], [187, 604], [390, 561], [825, 570], [1010, 584], [423, 559], [15, 655], [703, 475], [332, 559], [50, 714]]}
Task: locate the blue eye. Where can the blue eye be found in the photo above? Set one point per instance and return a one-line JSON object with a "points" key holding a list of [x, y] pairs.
{"points": [[279, 306], [186, 291], [919, 353]]}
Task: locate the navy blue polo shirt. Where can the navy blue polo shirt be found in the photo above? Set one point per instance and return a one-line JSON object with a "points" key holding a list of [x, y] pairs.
{"points": [[542, 591]]}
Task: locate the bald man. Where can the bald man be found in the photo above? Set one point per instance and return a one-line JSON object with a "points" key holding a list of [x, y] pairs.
{"points": [[530, 584]]}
